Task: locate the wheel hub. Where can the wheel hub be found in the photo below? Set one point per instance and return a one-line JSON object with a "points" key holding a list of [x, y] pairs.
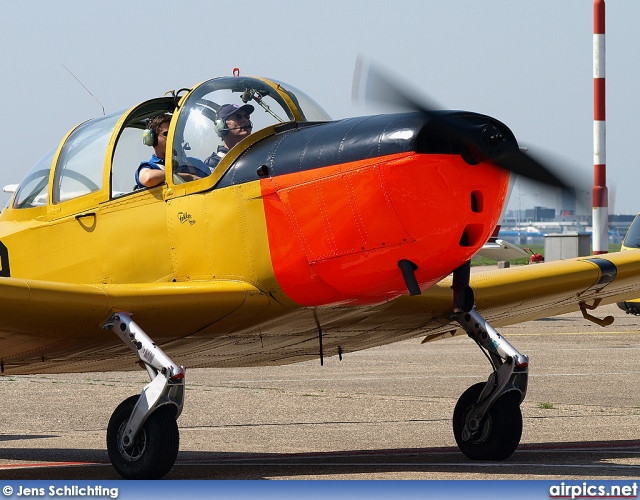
{"points": [[133, 451], [477, 430]]}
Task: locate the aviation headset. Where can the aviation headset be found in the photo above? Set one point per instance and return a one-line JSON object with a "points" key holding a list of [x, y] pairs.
{"points": [[149, 136], [220, 125]]}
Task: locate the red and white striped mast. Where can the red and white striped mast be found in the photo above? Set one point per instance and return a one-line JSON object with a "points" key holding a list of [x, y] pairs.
{"points": [[600, 194]]}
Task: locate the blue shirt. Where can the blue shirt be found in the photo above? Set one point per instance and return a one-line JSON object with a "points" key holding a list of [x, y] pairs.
{"points": [[155, 163]]}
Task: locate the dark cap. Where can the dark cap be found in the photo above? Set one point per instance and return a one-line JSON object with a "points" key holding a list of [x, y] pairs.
{"points": [[228, 109]]}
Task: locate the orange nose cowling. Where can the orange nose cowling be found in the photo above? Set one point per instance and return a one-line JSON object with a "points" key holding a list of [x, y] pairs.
{"points": [[336, 234]]}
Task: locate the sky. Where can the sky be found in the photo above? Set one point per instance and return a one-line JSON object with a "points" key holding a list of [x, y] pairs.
{"points": [[527, 63]]}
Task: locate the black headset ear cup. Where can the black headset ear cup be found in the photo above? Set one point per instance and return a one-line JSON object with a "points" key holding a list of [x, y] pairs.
{"points": [[149, 138]]}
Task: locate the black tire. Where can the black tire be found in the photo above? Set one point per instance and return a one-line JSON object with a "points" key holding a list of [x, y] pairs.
{"points": [[155, 449], [501, 427]]}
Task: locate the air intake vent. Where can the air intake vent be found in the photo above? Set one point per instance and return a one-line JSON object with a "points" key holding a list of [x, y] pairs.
{"points": [[471, 235], [477, 201]]}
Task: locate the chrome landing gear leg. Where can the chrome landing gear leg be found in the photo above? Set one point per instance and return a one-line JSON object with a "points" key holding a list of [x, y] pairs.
{"points": [[487, 421], [143, 436]]}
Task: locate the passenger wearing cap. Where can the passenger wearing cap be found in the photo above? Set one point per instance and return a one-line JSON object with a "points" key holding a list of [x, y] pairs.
{"points": [[233, 125]]}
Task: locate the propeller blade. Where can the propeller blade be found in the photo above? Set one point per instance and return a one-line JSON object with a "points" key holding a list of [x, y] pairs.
{"points": [[520, 163], [372, 85], [482, 141]]}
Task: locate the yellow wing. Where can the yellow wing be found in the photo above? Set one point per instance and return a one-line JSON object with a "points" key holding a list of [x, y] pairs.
{"points": [[508, 296], [56, 327]]}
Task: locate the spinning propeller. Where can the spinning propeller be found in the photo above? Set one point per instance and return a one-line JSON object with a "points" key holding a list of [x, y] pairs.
{"points": [[480, 140]]}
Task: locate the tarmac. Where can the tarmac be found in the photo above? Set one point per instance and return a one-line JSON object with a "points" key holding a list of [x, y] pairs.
{"points": [[383, 413]]}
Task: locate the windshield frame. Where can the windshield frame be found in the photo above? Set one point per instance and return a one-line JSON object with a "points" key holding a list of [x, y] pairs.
{"points": [[282, 102], [24, 199], [294, 105]]}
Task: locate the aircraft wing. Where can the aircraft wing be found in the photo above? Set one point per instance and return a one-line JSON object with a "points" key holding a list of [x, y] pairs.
{"points": [[50, 327], [525, 293], [55, 327]]}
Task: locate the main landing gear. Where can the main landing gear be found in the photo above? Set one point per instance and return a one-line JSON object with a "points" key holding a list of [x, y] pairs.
{"points": [[143, 436], [487, 422]]}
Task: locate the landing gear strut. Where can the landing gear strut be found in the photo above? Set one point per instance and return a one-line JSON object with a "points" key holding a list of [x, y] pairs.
{"points": [[487, 422], [143, 436]]}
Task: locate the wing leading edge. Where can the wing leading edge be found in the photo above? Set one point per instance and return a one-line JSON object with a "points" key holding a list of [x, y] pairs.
{"points": [[48, 327], [54, 327], [526, 293]]}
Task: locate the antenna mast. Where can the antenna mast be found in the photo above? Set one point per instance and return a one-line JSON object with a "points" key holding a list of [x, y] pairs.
{"points": [[94, 97]]}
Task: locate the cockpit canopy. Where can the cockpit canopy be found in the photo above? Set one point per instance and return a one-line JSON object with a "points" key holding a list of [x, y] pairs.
{"points": [[274, 102], [100, 157]]}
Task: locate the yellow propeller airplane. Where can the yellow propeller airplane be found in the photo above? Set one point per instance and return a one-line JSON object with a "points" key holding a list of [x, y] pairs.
{"points": [[309, 238]]}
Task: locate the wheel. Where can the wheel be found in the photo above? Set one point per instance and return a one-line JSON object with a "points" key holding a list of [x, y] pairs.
{"points": [[155, 448], [501, 428], [630, 307]]}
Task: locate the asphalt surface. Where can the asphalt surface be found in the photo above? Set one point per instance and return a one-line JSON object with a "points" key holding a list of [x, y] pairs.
{"points": [[384, 413]]}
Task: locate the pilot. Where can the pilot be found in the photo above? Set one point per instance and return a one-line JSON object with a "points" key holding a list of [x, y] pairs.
{"points": [[233, 125], [151, 173]]}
